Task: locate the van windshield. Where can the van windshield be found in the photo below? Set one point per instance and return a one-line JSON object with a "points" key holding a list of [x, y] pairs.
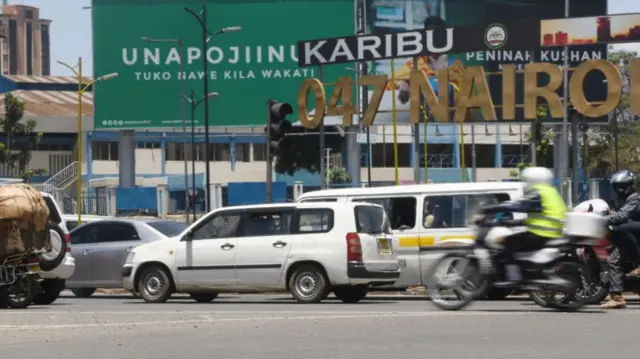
{"points": [[371, 220]]}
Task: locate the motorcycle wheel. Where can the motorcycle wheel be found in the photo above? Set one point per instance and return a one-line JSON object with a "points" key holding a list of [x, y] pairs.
{"points": [[593, 290], [458, 274], [20, 294], [568, 302]]}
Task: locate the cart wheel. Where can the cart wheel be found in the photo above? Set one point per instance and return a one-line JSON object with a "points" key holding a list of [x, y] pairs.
{"points": [[20, 294]]}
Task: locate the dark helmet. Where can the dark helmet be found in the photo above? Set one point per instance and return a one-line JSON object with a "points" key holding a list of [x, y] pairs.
{"points": [[623, 183]]}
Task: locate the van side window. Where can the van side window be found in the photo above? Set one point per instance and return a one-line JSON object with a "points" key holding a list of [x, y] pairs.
{"points": [[401, 211], [315, 220], [266, 224], [221, 225], [454, 211]]}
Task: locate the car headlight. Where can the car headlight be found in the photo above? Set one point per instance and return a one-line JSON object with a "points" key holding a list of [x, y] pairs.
{"points": [[130, 257]]}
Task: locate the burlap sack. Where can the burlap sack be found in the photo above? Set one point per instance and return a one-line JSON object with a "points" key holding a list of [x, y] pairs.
{"points": [[23, 219]]}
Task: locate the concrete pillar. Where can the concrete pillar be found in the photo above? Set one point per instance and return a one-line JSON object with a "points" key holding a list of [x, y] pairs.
{"points": [[353, 154], [111, 201], [594, 189], [298, 189], [216, 195], [127, 159], [163, 200]]}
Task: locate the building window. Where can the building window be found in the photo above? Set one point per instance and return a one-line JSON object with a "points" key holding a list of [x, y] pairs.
{"points": [[220, 152], [29, 47], [28, 14], [175, 151], [13, 47], [243, 152], [147, 145], [259, 152], [104, 151], [46, 54]]}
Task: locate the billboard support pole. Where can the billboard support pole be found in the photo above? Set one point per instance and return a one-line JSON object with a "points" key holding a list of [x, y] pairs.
{"points": [[565, 119], [323, 172], [268, 155], [207, 146]]}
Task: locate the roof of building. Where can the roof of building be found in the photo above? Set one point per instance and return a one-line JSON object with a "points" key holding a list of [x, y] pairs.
{"points": [[45, 79], [51, 103]]}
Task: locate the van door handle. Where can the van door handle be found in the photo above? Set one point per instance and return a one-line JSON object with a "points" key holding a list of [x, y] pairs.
{"points": [[128, 249], [279, 244], [227, 246], [86, 252]]}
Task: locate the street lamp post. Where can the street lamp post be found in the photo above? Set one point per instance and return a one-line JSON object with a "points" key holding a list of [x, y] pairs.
{"points": [[194, 103], [183, 92], [206, 37], [82, 87]]}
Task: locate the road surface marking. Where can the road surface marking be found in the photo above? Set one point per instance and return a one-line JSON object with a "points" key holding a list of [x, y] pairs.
{"points": [[211, 319]]}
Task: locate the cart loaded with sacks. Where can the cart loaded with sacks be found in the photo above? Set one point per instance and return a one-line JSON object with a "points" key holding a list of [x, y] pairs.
{"points": [[25, 238]]}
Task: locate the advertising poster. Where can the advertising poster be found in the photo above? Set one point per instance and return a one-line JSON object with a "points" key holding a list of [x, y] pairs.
{"points": [[245, 67], [496, 20]]}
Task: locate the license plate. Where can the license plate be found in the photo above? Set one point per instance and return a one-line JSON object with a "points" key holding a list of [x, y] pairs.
{"points": [[383, 246]]}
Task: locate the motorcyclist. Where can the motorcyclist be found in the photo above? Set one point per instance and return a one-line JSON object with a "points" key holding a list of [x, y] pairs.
{"points": [[545, 211], [625, 224]]}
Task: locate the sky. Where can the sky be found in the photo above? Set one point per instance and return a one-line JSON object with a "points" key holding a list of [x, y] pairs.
{"points": [[71, 29]]}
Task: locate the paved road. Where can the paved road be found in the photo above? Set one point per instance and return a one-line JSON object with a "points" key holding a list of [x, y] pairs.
{"points": [[270, 327]]}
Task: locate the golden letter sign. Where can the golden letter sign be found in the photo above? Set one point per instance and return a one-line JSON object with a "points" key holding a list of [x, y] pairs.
{"points": [[474, 94]]}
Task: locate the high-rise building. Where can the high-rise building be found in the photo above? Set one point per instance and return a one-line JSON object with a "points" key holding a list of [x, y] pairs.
{"points": [[24, 41]]}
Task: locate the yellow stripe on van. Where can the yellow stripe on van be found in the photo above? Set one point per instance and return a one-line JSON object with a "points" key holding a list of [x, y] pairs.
{"points": [[448, 238], [409, 241], [417, 241]]}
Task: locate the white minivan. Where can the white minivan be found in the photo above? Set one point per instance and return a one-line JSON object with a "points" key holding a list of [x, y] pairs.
{"points": [[426, 218], [309, 250]]}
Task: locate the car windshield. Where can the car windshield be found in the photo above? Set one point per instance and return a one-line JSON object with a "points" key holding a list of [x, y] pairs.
{"points": [[168, 228]]}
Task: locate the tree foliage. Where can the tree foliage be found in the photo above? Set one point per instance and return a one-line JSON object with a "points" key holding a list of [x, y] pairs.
{"points": [[19, 139], [300, 150], [338, 175], [602, 151]]}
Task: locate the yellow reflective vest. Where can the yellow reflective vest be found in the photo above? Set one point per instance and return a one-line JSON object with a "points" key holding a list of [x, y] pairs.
{"points": [[550, 222]]}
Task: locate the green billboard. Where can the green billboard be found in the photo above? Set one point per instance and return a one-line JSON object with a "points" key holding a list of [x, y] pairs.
{"points": [[246, 68]]}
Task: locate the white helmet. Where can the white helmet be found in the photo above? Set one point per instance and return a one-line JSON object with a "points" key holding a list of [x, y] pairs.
{"points": [[536, 175]]}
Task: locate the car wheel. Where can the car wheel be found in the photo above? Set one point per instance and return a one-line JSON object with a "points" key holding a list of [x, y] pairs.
{"points": [[203, 297], [155, 285], [135, 294], [49, 291], [351, 293], [83, 292], [309, 284]]}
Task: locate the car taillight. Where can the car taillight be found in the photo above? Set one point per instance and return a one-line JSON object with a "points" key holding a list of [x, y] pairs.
{"points": [[354, 248], [67, 238]]}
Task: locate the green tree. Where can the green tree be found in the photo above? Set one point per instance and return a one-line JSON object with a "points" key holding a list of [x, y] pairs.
{"points": [[300, 150], [20, 138], [338, 175], [602, 152]]}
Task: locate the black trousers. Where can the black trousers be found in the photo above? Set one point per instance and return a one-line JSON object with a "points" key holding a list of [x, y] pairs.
{"points": [[522, 242], [625, 248]]}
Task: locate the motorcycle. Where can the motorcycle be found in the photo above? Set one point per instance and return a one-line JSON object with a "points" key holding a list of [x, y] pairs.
{"points": [[548, 271], [19, 273], [594, 288], [596, 280]]}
